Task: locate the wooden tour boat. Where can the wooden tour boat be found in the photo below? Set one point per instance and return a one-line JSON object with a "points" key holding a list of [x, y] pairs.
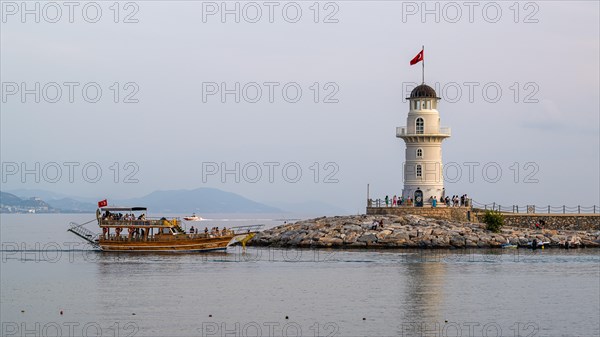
{"points": [[123, 231]]}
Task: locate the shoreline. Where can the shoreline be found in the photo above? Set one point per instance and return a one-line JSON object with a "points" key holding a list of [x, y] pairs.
{"points": [[412, 231]]}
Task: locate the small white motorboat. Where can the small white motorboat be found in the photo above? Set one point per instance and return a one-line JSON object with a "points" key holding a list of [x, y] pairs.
{"points": [[194, 217]]}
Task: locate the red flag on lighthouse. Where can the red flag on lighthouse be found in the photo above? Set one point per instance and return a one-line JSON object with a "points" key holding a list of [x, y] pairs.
{"points": [[417, 58], [102, 203]]}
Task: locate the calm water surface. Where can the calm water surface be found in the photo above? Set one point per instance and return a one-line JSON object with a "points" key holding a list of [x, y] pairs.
{"points": [[322, 292]]}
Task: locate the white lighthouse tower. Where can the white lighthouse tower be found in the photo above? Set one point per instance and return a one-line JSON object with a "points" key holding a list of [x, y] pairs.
{"points": [[423, 136]]}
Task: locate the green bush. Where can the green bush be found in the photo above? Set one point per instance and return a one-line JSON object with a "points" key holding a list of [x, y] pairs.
{"points": [[494, 220]]}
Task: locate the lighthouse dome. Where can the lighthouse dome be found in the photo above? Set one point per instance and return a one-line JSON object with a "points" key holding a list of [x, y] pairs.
{"points": [[423, 91]]}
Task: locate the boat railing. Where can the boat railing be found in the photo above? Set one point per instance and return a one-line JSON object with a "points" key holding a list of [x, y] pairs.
{"points": [[162, 237], [148, 222], [211, 234], [83, 232]]}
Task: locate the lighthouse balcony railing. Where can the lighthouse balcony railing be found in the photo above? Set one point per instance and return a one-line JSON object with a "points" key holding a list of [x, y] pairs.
{"points": [[403, 131]]}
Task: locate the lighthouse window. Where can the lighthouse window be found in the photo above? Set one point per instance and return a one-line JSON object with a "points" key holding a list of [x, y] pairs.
{"points": [[419, 153], [419, 171], [420, 124]]}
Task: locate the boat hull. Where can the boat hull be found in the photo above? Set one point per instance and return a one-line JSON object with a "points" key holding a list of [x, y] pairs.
{"points": [[179, 245]]}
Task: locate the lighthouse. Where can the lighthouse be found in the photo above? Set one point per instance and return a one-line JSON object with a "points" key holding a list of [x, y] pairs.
{"points": [[423, 135]]}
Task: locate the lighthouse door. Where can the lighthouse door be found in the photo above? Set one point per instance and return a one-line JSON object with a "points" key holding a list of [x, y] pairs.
{"points": [[419, 198]]}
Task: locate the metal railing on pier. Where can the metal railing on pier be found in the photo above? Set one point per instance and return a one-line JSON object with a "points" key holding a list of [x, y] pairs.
{"points": [[535, 209]]}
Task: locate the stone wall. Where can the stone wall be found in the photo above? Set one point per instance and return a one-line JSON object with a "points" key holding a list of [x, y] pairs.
{"points": [[580, 222], [445, 213]]}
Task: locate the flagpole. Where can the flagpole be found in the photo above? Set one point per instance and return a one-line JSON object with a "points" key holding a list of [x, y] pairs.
{"points": [[423, 51]]}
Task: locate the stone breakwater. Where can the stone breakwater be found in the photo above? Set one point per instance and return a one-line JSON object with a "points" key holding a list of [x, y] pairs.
{"points": [[409, 231]]}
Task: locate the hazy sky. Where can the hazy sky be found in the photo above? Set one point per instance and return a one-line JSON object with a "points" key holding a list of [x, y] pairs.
{"points": [[542, 131]]}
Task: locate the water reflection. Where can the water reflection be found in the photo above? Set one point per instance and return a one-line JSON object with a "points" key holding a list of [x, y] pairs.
{"points": [[423, 295]]}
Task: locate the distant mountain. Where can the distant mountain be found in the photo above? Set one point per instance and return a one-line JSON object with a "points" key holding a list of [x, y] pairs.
{"points": [[25, 193], [13, 204], [68, 204], [206, 200], [9, 199]]}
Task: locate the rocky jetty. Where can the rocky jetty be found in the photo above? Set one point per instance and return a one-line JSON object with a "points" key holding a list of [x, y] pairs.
{"points": [[410, 231]]}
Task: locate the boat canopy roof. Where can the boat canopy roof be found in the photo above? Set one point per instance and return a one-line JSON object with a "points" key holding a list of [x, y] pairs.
{"points": [[123, 209]]}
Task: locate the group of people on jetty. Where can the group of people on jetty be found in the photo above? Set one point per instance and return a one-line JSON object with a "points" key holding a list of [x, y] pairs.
{"points": [[455, 201], [395, 201]]}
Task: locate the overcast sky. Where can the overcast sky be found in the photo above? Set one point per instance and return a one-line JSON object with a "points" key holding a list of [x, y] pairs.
{"points": [[541, 131]]}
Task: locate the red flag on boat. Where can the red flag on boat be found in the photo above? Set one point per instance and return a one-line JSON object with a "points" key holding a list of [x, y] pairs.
{"points": [[417, 58], [102, 203]]}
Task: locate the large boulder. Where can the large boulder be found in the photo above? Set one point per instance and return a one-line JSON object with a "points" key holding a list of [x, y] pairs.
{"points": [[457, 241], [351, 237], [383, 234], [352, 228], [367, 238], [329, 242]]}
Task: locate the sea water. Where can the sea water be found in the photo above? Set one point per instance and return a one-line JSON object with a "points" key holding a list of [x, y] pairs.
{"points": [[52, 284]]}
